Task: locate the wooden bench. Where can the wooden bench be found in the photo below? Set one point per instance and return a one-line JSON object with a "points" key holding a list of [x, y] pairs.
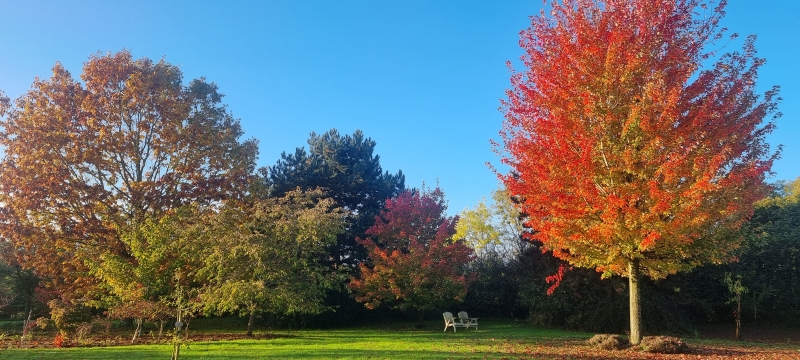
{"points": [[467, 321], [449, 321]]}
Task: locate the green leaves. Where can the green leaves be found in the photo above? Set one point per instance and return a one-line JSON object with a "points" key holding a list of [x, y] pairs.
{"points": [[269, 257]]}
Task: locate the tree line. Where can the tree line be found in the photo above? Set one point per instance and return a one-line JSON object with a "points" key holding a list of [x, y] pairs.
{"points": [[515, 277], [131, 195]]}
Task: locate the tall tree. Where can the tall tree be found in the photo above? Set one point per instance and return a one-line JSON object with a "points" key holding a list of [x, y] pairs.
{"points": [[414, 261], [347, 168], [625, 155], [770, 261], [86, 159], [269, 258]]}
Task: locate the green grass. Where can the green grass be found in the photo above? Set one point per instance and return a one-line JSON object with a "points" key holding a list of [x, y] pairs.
{"points": [[494, 340]]}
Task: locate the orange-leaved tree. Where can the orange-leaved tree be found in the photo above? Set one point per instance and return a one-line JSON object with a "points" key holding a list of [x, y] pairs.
{"points": [[413, 259], [87, 160], [626, 155]]}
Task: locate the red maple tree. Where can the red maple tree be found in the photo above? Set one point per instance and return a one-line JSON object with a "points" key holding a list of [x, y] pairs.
{"points": [[626, 155], [413, 259]]}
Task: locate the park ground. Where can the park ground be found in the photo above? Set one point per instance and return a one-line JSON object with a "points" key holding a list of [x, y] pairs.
{"points": [[495, 339]]}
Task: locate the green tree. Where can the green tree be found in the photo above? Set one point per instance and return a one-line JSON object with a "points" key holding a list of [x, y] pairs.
{"points": [[161, 262], [87, 161], [493, 230], [770, 262], [351, 174], [268, 258], [17, 286]]}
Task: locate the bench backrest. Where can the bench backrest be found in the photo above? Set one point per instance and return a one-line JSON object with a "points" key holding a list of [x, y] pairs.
{"points": [[448, 317]]}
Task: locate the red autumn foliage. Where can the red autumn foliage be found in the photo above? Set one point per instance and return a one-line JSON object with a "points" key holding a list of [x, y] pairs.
{"points": [[413, 259], [625, 154]]}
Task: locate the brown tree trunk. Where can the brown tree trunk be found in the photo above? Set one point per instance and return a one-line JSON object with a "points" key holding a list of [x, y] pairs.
{"points": [[738, 315], [636, 313], [250, 323]]}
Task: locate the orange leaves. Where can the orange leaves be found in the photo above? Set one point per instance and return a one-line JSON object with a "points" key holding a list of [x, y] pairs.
{"points": [[83, 159], [618, 148]]}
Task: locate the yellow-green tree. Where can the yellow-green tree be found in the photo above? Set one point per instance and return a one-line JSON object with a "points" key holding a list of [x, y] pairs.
{"points": [[495, 229], [270, 257]]}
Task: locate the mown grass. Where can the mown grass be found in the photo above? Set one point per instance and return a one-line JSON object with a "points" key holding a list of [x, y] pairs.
{"points": [[494, 340]]}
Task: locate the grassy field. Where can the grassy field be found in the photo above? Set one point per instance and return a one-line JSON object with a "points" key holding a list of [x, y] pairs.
{"points": [[494, 340]]}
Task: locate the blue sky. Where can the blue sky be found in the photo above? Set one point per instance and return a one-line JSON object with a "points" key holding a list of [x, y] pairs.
{"points": [[423, 78]]}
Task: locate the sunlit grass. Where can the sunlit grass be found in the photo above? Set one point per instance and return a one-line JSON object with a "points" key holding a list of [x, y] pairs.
{"points": [[494, 340]]}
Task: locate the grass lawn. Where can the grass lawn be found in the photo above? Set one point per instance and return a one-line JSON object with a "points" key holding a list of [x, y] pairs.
{"points": [[494, 340]]}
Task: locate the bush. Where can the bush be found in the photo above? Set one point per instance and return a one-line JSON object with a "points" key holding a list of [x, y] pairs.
{"points": [[45, 323], [68, 317], [608, 342], [663, 345]]}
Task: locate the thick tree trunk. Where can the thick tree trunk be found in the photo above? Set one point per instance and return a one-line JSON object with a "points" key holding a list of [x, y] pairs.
{"points": [[636, 313], [250, 323]]}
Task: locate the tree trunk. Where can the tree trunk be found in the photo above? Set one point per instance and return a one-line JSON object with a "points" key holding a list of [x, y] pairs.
{"points": [[138, 332], [250, 323], [738, 315], [636, 312], [160, 328]]}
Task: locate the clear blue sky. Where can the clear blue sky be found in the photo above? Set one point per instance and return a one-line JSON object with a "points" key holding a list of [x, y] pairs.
{"points": [[423, 78]]}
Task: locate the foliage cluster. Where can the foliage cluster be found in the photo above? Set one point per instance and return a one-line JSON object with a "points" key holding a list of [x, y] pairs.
{"points": [[414, 261], [628, 153]]}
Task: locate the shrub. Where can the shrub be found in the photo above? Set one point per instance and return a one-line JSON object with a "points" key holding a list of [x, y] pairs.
{"points": [[663, 345], [608, 342], [82, 330], [68, 317], [45, 323], [59, 340]]}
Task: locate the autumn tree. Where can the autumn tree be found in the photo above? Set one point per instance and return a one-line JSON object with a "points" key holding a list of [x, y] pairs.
{"points": [[346, 166], [414, 261], [627, 155], [494, 230], [86, 160], [268, 258], [159, 268]]}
